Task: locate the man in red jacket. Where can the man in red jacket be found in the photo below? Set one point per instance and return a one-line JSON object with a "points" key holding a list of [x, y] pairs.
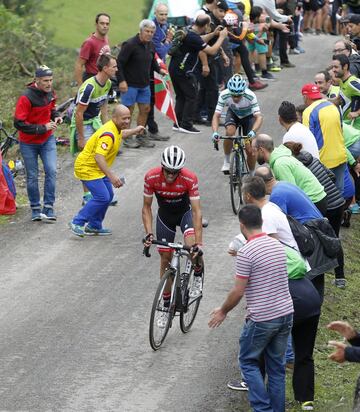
{"points": [[36, 119]]}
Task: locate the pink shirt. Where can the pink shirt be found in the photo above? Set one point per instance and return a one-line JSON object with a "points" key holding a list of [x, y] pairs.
{"points": [[91, 49]]}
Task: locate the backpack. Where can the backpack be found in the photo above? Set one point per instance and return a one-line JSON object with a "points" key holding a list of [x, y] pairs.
{"points": [[177, 41], [324, 231], [302, 235]]}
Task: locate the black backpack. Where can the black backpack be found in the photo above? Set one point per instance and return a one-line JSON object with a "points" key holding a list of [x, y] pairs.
{"points": [[302, 235]]}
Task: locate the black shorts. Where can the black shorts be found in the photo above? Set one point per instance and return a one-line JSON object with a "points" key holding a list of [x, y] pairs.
{"points": [[166, 228], [313, 5], [246, 123]]}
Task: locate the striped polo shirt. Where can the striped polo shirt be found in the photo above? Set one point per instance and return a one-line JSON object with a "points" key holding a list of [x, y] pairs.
{"points": [[263, 262]]}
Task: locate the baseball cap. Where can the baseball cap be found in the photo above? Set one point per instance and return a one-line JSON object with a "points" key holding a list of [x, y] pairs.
{"points": [[354, 18], [43, 71], [312, 91], [221, 4]]}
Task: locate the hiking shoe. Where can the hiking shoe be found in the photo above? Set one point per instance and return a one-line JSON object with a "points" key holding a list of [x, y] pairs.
{"points": [[36, 215], [225, 167], [190, 130], [287, 65], [339, 283], [257, 85], [131, 143], [48, 214], [157, 136], [237, 385], [86, 198], [307, 406], [267, 76], [144, 141], [91, 231], [76, 230], [354, 209], [196, 287], [346, 218]]}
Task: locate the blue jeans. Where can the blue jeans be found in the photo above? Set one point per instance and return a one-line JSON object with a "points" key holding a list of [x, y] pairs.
{"points": [[95, 209], [270, 340], [289, 355], [339, 172], [47, 152], [355, 149]]}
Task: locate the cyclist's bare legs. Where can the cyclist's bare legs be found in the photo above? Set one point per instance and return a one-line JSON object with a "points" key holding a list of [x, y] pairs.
{"points": [[228, 144], [250, 158], [165, 260]]}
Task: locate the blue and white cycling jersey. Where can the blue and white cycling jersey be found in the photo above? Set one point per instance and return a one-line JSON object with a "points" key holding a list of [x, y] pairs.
{"points": [[247, 106]]}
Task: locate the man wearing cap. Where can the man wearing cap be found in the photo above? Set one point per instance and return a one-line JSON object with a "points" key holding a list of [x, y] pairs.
{"points": [[36, 119], [323, 119]]}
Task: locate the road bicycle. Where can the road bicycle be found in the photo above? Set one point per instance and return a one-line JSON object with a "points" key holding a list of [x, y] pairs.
{"points": [[238, 169], [179, 279]]}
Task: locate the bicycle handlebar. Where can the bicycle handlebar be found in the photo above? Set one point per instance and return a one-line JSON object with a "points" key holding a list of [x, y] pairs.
{"points": [[178, 246], [216, 143]]}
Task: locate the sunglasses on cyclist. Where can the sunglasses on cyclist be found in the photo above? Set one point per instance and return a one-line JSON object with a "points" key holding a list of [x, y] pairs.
{"points": [[171, 172]]}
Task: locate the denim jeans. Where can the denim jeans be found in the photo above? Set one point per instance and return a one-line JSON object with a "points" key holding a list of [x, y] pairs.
{"points": [[95, 209], [47, 152], [270, 340], [339, 172]]}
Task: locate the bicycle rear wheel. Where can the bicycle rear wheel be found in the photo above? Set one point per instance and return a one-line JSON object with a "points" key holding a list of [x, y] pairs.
{"points": [[161, 315], [235, 182], [192, 305]]}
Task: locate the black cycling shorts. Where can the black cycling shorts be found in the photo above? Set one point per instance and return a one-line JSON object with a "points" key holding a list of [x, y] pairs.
{"points": [[246, 123], [313, 5], [166, 230]]}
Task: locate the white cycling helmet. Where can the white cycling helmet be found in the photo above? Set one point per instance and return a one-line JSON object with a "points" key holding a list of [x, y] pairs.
{"points": [[173, 158]]}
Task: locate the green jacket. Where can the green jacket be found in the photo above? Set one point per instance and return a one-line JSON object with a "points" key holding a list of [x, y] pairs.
{"points": [[286, 167]]}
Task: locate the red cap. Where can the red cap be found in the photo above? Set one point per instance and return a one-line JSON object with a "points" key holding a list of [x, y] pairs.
{"points": [[312, 91]]}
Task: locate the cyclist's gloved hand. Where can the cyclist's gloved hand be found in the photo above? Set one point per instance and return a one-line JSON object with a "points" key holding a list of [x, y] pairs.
{"points": [[196, 249], [148, 239], [251, 134], [215, 137]]}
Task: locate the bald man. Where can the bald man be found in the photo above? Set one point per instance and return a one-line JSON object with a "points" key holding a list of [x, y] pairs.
{"points": [[92, 167]]}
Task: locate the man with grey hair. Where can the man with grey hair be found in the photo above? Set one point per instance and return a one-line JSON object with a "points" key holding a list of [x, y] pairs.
{"points": [[135, 62]]}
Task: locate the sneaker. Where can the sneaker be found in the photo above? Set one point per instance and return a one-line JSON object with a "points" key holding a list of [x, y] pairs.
{"points": [[307, 406], [308, 31], [318, 32], [196, 287], [300, 49], [294, 51], [144, 141], [346, 218], [48, 214], [339, 283], [86, 198], [202, 121], [114, 201], [257, 85], [90, 231], [175, 127], [225, 167], [267, 76], [131, 143], [36, 215], [237, 385], [273, 68], [354, 209], [157, 136], [77, 230], [191, 130], [287, 65], [162, 320]]}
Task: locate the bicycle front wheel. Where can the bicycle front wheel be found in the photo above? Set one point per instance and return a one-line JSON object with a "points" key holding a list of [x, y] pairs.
{"points": [[235, 182], [162, 313], [192, 305]]}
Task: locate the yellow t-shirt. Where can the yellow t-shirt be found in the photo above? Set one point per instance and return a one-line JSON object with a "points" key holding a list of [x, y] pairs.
{"points": [[105, 141], [323, 119]]}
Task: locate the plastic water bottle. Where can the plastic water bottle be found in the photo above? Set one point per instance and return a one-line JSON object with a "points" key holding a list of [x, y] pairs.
{"points": [[123, 180]]}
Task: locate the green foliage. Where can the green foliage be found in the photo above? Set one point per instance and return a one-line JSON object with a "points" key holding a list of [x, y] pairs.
{"points": [[22, 44], [22, 7]]}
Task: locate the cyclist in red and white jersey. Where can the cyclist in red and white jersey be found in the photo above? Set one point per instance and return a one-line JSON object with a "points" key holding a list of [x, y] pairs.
{"points": [[177, 193]]}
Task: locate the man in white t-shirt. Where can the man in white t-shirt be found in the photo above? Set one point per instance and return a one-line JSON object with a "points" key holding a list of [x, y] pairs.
{"points": [[295, 131]]}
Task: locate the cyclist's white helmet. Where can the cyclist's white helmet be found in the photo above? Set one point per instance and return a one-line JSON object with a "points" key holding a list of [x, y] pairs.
{"points": [[173, 158], [231, 19], [236, 85]]}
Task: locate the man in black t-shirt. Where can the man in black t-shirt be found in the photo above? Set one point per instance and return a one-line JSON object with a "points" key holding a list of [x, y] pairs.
{"points": [[185, 63]]}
